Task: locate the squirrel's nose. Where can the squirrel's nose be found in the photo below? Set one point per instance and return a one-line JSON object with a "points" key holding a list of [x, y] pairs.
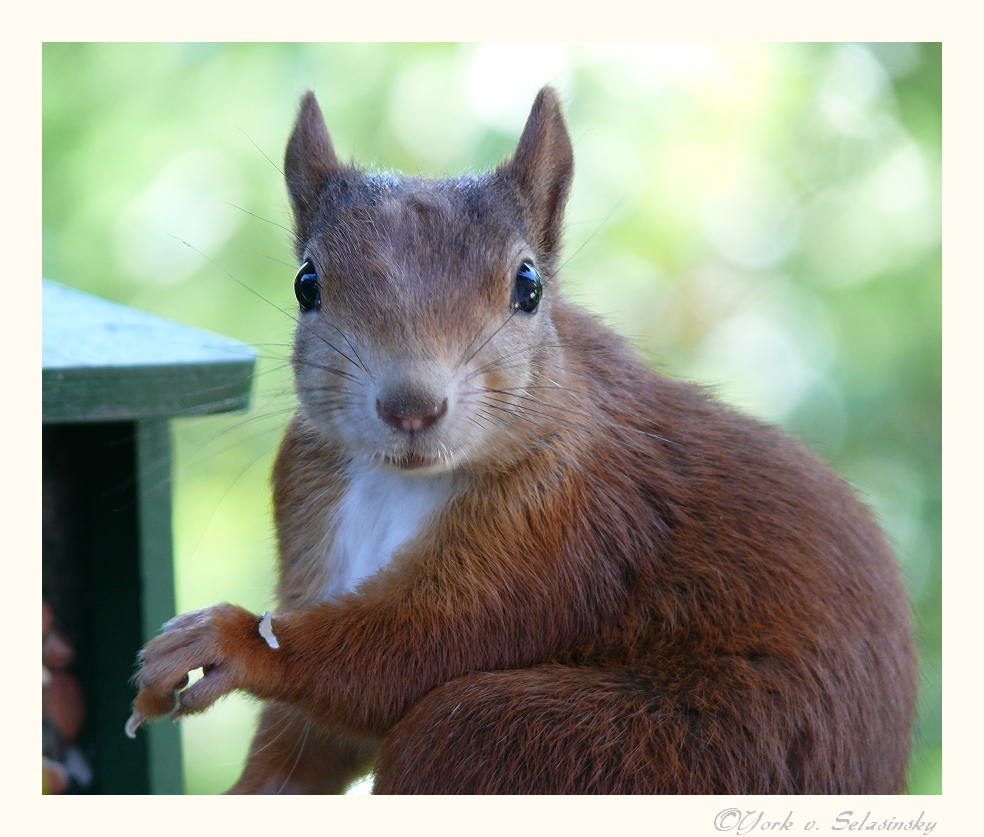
{"points": [[410, 412]]}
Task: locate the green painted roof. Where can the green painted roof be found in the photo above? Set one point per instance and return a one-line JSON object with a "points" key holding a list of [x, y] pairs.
{"points": [[103, 361]]}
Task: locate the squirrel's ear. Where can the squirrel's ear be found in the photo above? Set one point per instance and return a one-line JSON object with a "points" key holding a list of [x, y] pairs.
{"points": [[542, 169], [309, 160]]}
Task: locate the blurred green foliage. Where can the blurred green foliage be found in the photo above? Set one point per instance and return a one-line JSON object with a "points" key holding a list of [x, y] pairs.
{"points": [[762, 218]]}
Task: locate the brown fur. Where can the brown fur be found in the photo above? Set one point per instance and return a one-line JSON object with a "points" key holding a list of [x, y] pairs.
{"points": [[632, 588]]}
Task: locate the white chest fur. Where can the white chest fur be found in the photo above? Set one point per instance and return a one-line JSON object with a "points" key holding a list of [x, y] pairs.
{"points": [[378, 513]]}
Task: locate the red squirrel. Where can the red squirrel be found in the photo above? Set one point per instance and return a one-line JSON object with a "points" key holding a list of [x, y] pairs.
{"points": [[515, 559]]}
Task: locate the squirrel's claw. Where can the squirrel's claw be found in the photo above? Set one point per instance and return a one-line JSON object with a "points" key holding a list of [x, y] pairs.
{"points": [[133, 723]]}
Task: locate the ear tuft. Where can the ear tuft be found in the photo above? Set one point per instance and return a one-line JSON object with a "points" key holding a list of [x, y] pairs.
{"points": [[542, 169], [309, 159]]}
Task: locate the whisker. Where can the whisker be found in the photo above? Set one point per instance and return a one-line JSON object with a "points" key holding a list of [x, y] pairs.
{"points": [[606, 422], [326, 368], [597, 229], [499, 420], [498, 364], [273, 305], [332, 346], [487, 341], [300, 751], [273, 259], [234, 278], [265, 156], [264, 220]]}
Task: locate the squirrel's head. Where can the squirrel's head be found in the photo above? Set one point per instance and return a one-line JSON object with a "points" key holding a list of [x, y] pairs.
{"points": [[425, 338]]}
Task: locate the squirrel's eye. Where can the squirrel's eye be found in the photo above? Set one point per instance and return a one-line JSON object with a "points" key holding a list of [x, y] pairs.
{"points": [[529, 288], [306, 287]]}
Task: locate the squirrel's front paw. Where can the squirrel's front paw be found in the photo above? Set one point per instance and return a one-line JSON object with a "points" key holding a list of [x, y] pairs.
{"points": [[214, 640]]}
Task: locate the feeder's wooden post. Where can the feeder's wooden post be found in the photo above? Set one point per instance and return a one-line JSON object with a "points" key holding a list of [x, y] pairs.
{"points": [[112, 379]]}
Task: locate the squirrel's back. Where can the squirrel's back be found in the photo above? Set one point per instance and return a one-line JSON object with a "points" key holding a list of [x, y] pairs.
{"points": [[761, 560]]}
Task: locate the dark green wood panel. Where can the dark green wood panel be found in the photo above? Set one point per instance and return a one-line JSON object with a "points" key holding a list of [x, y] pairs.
{"points": [[153, 468], [104, 534], [120, 393]]}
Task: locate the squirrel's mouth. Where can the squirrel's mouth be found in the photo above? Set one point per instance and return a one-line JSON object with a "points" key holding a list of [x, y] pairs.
{"points": [[411, 461]]}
